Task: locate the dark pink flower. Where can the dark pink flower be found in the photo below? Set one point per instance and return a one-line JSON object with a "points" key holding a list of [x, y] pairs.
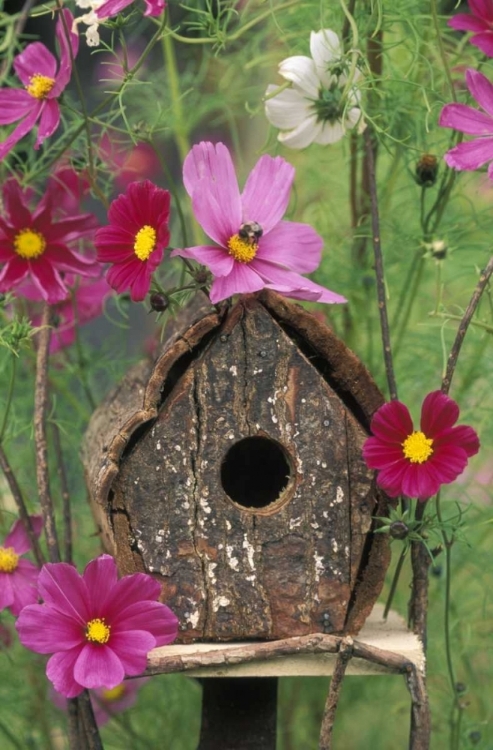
{"points": [[136, 237], [18, 577], [34, 247], [43, 84], [472, 154], [68, 188], [106, 703], [112, 7], [254, 248], [480, 21], [417, 462], [98, 628]]}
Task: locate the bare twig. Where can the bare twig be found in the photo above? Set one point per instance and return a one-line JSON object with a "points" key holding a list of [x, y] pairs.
{"points": [[21, 506], [379, 272], [40, 406], [420, 562], [67, 513], [93, 737], [464, 325], [343, 658], [420, 711]]}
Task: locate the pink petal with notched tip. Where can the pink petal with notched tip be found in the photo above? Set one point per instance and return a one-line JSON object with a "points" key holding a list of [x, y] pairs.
{"points": [[482, 8], [62, 588], [131, 590], [69, 47], [13, 273], [97, 665], [46, 630], [296, 246], [378, 454], [132, 648], [438, 412], [148, 615], [481, 89], [18, 538], [466, 119], [63, 259], [292, 284], [14, 104], [471, 155], [60, 670], [6, 590], [449, 461], [392, 422], [265, 196], [48, 122], [208, 169], [463, 436], [100, 577], [241, 280], [217, 259], [467, 22], [24, 586], [22, 129], [420, 481], [14, 203], [390, 478], [141, 283], [74, 228], [48, 282], [35, 59]]}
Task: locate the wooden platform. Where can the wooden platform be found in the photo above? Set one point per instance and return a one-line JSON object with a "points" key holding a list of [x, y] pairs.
{"points": [[391, 635]]}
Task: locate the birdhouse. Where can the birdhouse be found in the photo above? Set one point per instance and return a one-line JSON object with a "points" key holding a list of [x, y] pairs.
{"points": [[231, 470]]}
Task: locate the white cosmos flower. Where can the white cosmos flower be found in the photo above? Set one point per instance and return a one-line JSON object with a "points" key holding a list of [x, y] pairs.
{"points": [[312, 110], [90, 19]]}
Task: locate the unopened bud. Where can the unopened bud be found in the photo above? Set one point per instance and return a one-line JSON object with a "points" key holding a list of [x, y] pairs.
{"points": [[159, 302], [439, 249], [398, 530], [427, 170]]}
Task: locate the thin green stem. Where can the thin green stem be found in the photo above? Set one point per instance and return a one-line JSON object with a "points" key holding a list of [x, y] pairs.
{"points": [[411, 298], [438, 286], [10, 393], [451, 316], [173, 190], [395, 581], [441, 48], [181, 129]]}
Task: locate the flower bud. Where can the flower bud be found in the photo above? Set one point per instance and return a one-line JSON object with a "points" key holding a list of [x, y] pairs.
{"points": [[438, 249], [427, 170], [398, 530], [159, 302]]}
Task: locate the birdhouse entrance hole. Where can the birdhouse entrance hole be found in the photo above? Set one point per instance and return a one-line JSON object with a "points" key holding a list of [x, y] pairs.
{"points": [[256, 473]]}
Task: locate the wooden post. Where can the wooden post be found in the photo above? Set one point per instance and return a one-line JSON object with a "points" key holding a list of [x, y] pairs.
{"points": [[239, 713]]}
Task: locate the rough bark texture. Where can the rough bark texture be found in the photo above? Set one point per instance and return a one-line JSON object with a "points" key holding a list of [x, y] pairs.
{"points": [[268, 540]]}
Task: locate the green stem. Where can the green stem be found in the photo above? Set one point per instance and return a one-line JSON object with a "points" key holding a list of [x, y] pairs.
{"points": [[441, 48], [395, 581], [181, 128], [447, 542], [9, 397], [411, 298], [451, 316]]}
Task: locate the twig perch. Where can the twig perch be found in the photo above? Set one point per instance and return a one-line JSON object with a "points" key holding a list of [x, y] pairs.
{"points": [[343, 658]]}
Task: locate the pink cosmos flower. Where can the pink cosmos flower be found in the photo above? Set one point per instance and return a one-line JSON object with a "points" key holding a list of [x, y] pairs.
{"points": [[136, 237], [34, 247], [417, 462], [107, 703], [254, 248], [112, 7], [480, 21], [18, 577], [37, 101], [472, 154], [129, 164], [98, 628]]}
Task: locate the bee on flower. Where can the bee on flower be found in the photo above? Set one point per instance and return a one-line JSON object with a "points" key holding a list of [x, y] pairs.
{"points": [[318, 107]]}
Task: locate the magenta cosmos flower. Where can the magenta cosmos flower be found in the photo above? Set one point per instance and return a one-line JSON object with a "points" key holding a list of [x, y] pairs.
{"points": [[18, 577], [98, 628], [480, 21], [37, 101], [34, 247], [107, 703], [254, 248], [136, 237], [417, 462], [472, 154]]}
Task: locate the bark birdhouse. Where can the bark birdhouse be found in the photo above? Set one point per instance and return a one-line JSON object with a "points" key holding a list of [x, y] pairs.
{"points": [[231, 470]]}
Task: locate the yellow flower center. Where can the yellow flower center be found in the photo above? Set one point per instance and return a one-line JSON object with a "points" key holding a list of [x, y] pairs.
{"points": [[417, 448], [40, 86], [145, 242], [98, 631], [29, 244], [8, 560], [115, 694], [242, 250]]}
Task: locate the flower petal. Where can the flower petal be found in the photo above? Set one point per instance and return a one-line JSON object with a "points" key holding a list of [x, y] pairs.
{"points": [[12, 274], [152, 616], [217, 259], [293, 285], [466, 119], [63, 589], [304, 134], [65, 45], [6, 590], [49, 121], [241, 280], [484, 42], [98, 666], [482, 9], [209, 168], [461, 436], [266, 193], [35, 59], [22, 129], [325, 49], [330, 132], [131, 590], [100, 577], [378, 455], [301, 71], [392, 423], [18, 538], [467, 22], [295, 246], [470, 155], [48, 282], [438, 413], [131, 648], [24, 586], [45, 630], [481, 89], [60, 671], [420, 481], [14, 104], [288, 109]]}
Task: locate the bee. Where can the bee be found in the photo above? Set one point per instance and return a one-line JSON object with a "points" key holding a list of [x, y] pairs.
{"points": [[250, 231]]}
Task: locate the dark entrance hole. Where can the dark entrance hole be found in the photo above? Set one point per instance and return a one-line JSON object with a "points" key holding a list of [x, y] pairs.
{"points": [[255, 472]]}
